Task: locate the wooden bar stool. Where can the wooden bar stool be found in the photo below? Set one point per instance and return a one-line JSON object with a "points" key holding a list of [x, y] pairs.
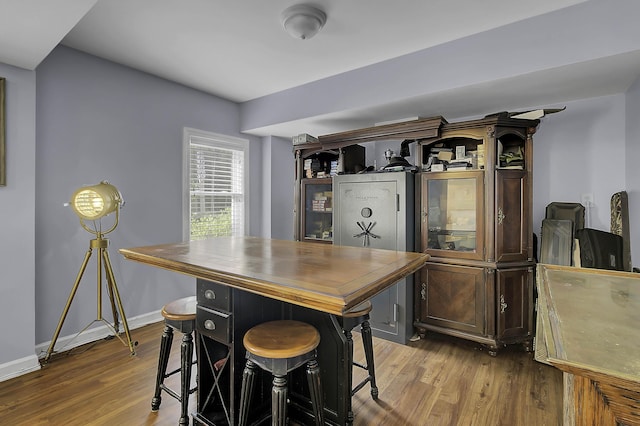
{"points": [[359, 315], [178, 315], [280, 347]]}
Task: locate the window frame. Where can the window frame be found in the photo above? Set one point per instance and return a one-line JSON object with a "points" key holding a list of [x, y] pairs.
{"points": [[216, 140]]}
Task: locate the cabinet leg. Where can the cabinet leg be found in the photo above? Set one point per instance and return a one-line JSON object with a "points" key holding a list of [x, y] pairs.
{"points": [[491, 350]]}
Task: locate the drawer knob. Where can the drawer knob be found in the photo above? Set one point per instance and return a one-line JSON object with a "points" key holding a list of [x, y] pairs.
{"points": [[210, 294], [209, 325]]}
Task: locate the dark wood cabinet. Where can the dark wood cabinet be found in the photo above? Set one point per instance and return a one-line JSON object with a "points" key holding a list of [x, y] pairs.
{"points": [[476, 223], [474, 220]]}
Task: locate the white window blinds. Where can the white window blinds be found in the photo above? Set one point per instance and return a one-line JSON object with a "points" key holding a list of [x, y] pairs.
{"points": [[216, 186]]}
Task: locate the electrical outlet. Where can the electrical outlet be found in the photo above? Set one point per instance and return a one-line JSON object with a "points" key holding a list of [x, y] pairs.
{"points": [[587, 200]]}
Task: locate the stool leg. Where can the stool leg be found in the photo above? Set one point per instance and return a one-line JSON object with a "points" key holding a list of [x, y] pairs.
{"points": [[349, 336], [186, 357], [315, 389], [279, 401], [163, 360], [248, 376], [367, 340]]}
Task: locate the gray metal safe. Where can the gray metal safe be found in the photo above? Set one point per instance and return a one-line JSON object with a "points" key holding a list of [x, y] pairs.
{"points": [[377, 210]]}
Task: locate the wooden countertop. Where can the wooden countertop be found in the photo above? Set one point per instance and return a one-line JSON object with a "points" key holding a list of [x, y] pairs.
{"points": [[324, 277], [592, 318], [588, 326]]}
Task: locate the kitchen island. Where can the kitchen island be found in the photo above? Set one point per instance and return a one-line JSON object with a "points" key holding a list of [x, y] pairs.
{"points": [[243, 281]]}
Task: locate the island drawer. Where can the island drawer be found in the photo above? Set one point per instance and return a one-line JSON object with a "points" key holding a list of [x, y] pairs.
{"points": [[213, 324], [214, 295]]}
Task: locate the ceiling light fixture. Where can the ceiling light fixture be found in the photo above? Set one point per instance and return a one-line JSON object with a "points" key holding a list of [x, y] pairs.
{"points": [[303, 21]]}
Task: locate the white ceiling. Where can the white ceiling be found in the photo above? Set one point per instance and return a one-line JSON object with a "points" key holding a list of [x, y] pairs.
{"points": [[238, 49]]}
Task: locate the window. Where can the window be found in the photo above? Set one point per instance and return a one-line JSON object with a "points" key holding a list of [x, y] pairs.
{"points": [[215, 199]]}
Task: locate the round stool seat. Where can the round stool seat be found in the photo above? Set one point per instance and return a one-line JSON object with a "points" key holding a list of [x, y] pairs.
{"points": [[180, 310], [359, 310], [280, 347], [281, 339]]}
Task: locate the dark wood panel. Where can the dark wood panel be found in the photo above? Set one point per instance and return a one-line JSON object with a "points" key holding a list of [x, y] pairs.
{"points": [[514, 297], [453, 296], [512, 232], [413, 129]]}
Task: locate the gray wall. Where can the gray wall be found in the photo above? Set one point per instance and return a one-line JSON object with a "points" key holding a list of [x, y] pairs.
{"points": [[97, 120], [278, 178], [578, 151], [632, 170], [17, 232]]}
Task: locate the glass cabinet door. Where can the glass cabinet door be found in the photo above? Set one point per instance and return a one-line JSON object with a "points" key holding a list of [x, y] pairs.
{"points": [[452, 214], [317, 210]]}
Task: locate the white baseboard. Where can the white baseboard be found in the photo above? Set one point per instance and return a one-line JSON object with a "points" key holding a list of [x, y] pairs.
{"points": [[25, 365], [18, 367], [96, 333]]}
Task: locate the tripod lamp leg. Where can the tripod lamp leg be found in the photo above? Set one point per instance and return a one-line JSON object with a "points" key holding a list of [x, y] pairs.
{"points": [[116, 294], [110, 286], [65, 311]]}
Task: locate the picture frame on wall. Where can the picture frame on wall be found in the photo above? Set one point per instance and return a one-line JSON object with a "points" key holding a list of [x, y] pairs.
{"points": [[3, 152]]}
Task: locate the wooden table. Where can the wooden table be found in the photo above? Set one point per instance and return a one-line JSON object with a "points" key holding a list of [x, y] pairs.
{"points": [[253, 280], [589, 327]]}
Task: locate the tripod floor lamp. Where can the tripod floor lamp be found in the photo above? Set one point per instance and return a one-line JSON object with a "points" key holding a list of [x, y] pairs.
{"points": [[91, 204]]}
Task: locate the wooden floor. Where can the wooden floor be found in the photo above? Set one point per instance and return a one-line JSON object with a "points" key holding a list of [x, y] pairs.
{"points": [[436, 381]]}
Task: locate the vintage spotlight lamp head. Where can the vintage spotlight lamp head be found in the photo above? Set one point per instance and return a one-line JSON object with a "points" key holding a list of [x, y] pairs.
{"points": [[92, 203]]}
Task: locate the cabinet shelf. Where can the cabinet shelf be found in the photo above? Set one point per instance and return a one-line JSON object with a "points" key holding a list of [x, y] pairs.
{"points": [[317, 202]]}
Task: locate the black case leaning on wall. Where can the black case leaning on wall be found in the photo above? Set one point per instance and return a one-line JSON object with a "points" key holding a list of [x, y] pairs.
{"points": [[599, 249]]}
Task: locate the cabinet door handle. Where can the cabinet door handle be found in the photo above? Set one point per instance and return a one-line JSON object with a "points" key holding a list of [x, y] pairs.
{"points": [[424, 216], [209, 294], [503, 305], [501, 216], [209, 325], [423, 292]]}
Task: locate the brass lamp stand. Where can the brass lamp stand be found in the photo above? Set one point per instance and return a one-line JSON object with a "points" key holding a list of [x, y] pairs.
{"points": [[93, 203]]}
